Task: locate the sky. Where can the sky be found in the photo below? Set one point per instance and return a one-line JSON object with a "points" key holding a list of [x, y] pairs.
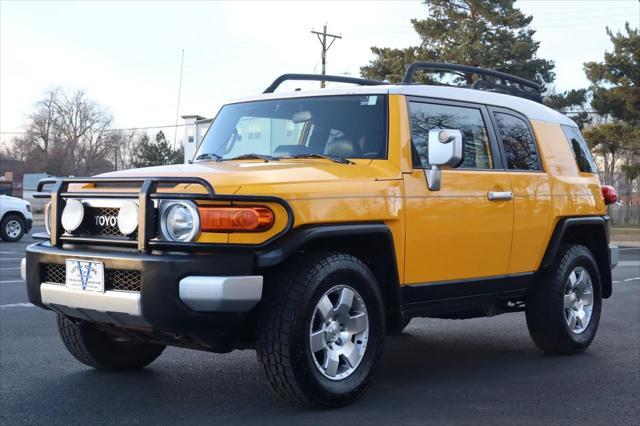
{"points": [[127, 55]]}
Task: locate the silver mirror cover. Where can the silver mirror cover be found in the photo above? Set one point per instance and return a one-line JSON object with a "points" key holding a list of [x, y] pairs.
{"points": [[445, 147]]}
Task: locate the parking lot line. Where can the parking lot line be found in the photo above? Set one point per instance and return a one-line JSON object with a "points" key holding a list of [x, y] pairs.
{"points": [[632, 279], [11, 281], [17, 305], [7, 269]]}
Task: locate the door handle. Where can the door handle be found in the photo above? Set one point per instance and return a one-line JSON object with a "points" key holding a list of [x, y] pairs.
{"points": [[499, 195]]}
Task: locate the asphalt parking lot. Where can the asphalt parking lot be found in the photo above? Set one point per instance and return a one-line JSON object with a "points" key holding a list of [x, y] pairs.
{"points": [[439, 372]]}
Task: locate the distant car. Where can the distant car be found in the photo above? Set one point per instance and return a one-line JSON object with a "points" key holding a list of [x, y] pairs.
{"points": [[16, 218]]}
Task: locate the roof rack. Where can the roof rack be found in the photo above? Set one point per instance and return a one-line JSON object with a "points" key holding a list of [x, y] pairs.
{"points": [[319, 77], [506, 84]]}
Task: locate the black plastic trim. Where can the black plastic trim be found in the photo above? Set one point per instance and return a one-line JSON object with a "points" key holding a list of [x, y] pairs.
{"points": [[447, 296], [560, 230], [286, 246], [602, 252], [319, 77], [161, 272]]}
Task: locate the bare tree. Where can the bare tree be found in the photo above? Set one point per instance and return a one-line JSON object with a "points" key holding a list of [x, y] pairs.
{"points": [[68, 134]]}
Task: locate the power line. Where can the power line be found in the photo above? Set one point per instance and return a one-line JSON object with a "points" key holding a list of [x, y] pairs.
{"points": [[115, 130], [323, 41]]}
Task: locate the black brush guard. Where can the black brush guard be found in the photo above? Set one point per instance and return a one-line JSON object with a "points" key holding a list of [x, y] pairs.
{"points": [[147, 229]]}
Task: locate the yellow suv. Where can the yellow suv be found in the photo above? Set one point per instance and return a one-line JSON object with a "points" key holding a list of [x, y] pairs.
{"points": [[311, 224]]}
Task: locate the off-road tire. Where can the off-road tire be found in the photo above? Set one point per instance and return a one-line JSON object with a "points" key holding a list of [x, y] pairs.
{"points": [[545, 304], [93, 347], [284, 322], [5, 223]]}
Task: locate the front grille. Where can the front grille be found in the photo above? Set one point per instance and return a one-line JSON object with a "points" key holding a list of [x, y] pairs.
{"points": [[102, 222], [114, 279], [54, 274], [124, 280], [106, 227]]}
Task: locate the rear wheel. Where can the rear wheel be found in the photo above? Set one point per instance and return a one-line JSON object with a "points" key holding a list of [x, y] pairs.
{"points": [[321, 330], [95, 348], [12, 228], [563, 310]]}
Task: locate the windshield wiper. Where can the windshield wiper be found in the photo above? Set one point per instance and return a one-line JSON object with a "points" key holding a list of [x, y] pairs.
{"points": [[333, 158], [207, 156], [252, 156]]}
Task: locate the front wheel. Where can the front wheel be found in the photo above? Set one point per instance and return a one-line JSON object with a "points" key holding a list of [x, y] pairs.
{"points": [[321, 330], [563, 309], [95, 348]]}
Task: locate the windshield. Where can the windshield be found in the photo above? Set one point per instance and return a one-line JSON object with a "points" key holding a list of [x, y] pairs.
{"points": [[351, 126]]}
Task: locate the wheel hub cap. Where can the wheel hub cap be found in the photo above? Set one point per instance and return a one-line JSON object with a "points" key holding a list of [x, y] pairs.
{"points": [[339, 332], [13, 229], [578, 300]]}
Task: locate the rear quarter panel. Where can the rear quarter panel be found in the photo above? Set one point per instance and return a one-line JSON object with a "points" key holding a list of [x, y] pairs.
{"points": [[573, 193]]}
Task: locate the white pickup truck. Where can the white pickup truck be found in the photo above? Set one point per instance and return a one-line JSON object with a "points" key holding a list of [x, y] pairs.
{"points": [[15, 218]]}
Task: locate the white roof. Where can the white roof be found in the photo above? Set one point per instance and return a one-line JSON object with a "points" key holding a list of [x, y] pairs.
{"points": [[530, 109]]}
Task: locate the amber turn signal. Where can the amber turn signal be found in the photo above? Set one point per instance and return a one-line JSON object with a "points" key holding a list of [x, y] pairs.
{"points": [[235, 219]]}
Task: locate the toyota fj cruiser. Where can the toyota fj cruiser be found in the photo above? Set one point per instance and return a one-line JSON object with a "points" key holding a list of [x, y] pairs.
{"points": [[311, 224]]}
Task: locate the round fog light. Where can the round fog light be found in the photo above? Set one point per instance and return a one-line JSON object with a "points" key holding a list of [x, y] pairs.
{"points": [[128, 218], [72, 215]]}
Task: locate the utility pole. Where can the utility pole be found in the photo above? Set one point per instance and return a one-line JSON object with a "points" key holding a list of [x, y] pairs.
{"points": [[323, 41]]}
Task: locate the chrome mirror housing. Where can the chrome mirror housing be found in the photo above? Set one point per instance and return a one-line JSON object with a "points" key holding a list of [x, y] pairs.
{"points": [[445, 149]]}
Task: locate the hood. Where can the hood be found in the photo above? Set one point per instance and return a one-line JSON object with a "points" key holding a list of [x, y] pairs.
{"points": [[227, 177]]}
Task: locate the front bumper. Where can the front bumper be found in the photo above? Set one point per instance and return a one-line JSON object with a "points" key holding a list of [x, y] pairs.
{"points": [[179, 292], [28, 225]]}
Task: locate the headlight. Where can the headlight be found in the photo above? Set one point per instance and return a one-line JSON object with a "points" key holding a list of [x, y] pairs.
{"points": [[128, 217], [179, 220], [72, 215], [47, 217]]}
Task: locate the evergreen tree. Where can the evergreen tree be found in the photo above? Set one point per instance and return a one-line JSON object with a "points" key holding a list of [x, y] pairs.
{"points": [[486, 33], [157, 152], [616, 80]]}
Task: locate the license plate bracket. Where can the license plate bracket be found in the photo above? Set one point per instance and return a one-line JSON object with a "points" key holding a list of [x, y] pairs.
{"points": [[84, 275]]}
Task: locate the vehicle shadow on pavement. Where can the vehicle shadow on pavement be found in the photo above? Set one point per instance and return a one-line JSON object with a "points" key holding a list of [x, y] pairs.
{"points": [[426, 373]]}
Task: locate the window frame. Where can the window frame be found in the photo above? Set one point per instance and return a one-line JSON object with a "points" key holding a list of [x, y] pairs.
{"points": [[384, 96], [496, 153], [591, 160], [516, 114]]}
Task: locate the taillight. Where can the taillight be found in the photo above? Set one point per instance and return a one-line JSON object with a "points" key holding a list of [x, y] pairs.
{"points": [[235, 219], [609, 194]]}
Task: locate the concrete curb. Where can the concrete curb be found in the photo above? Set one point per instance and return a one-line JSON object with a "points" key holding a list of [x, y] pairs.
{"points": [[626, 243]]}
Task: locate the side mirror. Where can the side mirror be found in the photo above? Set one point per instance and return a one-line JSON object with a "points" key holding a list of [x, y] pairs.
{"points": [[445, 149]]}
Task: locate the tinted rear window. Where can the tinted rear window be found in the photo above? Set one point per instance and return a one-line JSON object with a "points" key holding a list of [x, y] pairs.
{"points": [[580, 150], [517, 140]]}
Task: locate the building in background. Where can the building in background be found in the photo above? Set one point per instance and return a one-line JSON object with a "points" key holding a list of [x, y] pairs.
{"points": [[254, 134], [29, 186], [195, 127]]}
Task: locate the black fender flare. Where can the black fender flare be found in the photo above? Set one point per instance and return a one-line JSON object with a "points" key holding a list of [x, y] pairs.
{"points": [[280, 250], [599, 245]]}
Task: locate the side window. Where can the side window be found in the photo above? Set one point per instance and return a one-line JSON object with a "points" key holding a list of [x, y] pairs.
{"points": [[580, 150], [424, 117], [517, 140]]}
